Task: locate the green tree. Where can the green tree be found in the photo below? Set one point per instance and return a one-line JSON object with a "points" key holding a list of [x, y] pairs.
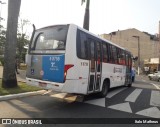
{"points": [[22, 39], [21, 42], [86, 15], [2, 39], [2, 43], [9, 76]]}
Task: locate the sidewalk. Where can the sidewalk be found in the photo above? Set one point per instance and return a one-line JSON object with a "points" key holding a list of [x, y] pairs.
{"points": [[141, 76], [21, 77]]}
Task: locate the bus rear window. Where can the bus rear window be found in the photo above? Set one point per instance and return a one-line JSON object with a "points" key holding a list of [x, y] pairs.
{"points": [[49, 38]]}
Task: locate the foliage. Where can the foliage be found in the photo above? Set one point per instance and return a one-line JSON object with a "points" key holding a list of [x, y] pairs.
{"points": [[22, 40], [2, 39]]}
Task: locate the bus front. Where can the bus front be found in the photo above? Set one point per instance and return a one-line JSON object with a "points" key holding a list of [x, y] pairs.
{"points": [[46, 57]]}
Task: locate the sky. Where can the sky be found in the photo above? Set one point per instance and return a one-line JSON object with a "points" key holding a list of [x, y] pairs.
{"points": [[105, 15]]}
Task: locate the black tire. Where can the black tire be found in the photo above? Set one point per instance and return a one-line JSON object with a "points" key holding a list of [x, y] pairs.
{"points": [[129, 85], [105, 89], [133, 78]]}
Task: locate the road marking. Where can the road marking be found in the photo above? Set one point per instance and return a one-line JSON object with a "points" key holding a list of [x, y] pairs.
{"points": [[71, 99], [47, 92], [134, 95], [122, 107], [98, 102], [150, 112], [112, 93], [157, 87], [155, 98], [59, 95]]}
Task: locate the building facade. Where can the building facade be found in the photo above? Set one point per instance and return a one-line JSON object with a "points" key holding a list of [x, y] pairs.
{"points": [[148, 44]]}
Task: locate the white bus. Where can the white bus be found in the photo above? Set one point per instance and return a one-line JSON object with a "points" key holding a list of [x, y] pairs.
{"points": [[67, 58]]}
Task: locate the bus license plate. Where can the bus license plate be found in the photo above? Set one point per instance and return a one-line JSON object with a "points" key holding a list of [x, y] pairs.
{"points": [[42, 84]]}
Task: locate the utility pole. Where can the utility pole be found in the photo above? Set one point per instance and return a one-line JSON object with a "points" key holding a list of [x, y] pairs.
{"points": [[138, 53]]}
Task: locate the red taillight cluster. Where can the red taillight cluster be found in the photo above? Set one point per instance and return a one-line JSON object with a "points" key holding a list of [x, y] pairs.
{"points": [[66, 68]]}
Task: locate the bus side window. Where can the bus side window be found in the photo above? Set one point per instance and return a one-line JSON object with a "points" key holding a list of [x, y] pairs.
{"points": [[92, 55], [99, 58], [127, 63], [130, 62], [127, 59], [105, 53], [114, 54], [123, 58], [83, 46], [120, 57], [111, 60]]}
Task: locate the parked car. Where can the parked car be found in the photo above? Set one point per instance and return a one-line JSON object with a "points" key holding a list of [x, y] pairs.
{"points": [[155, 76]]}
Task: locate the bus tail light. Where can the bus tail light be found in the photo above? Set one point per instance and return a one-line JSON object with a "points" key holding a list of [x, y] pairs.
{"points": [[66, 68]]}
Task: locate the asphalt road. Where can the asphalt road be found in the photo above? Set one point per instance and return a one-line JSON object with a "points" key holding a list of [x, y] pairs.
{"points": [[140, 101]]}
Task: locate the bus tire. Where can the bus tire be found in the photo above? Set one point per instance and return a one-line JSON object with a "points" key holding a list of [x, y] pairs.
{"points": [[105, 89], [130, 84], [133, 78]]}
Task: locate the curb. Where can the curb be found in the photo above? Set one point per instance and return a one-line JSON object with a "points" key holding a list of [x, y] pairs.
{"points": [[21, 81], [20, 95]]}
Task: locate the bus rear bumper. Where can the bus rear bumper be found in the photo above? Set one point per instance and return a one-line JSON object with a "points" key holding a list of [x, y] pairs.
{"points": [[70, 86], [45, 84]]}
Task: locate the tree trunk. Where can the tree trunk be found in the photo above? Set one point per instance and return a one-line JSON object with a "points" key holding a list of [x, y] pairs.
{"points": [[9, 77], [86, 16]]}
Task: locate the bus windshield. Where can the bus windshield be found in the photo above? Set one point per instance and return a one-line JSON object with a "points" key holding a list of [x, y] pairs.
{"points": [[49, 39]]}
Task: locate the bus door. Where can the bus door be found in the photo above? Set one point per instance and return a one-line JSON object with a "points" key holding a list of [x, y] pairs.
{"points": [[128, 69], [94, 66], [98, 66]]}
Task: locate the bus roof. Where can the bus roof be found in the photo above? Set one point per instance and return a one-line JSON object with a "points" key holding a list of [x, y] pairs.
{"points": [[52, 26]]}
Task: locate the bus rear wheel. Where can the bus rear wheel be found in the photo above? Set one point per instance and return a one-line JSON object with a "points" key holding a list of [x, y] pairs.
{"points": [[130, 84], [105, 89]]}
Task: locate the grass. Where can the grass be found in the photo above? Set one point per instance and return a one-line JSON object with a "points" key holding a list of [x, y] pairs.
{"points": [[22, 87]]}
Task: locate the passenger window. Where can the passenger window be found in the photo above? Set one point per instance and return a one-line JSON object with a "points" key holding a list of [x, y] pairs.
{"points": [[83, 46], [119, 55], [98, 55], [110, 54], [123, 58], [114, 54], [105, 58], [92, 55], [127, 60]]}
